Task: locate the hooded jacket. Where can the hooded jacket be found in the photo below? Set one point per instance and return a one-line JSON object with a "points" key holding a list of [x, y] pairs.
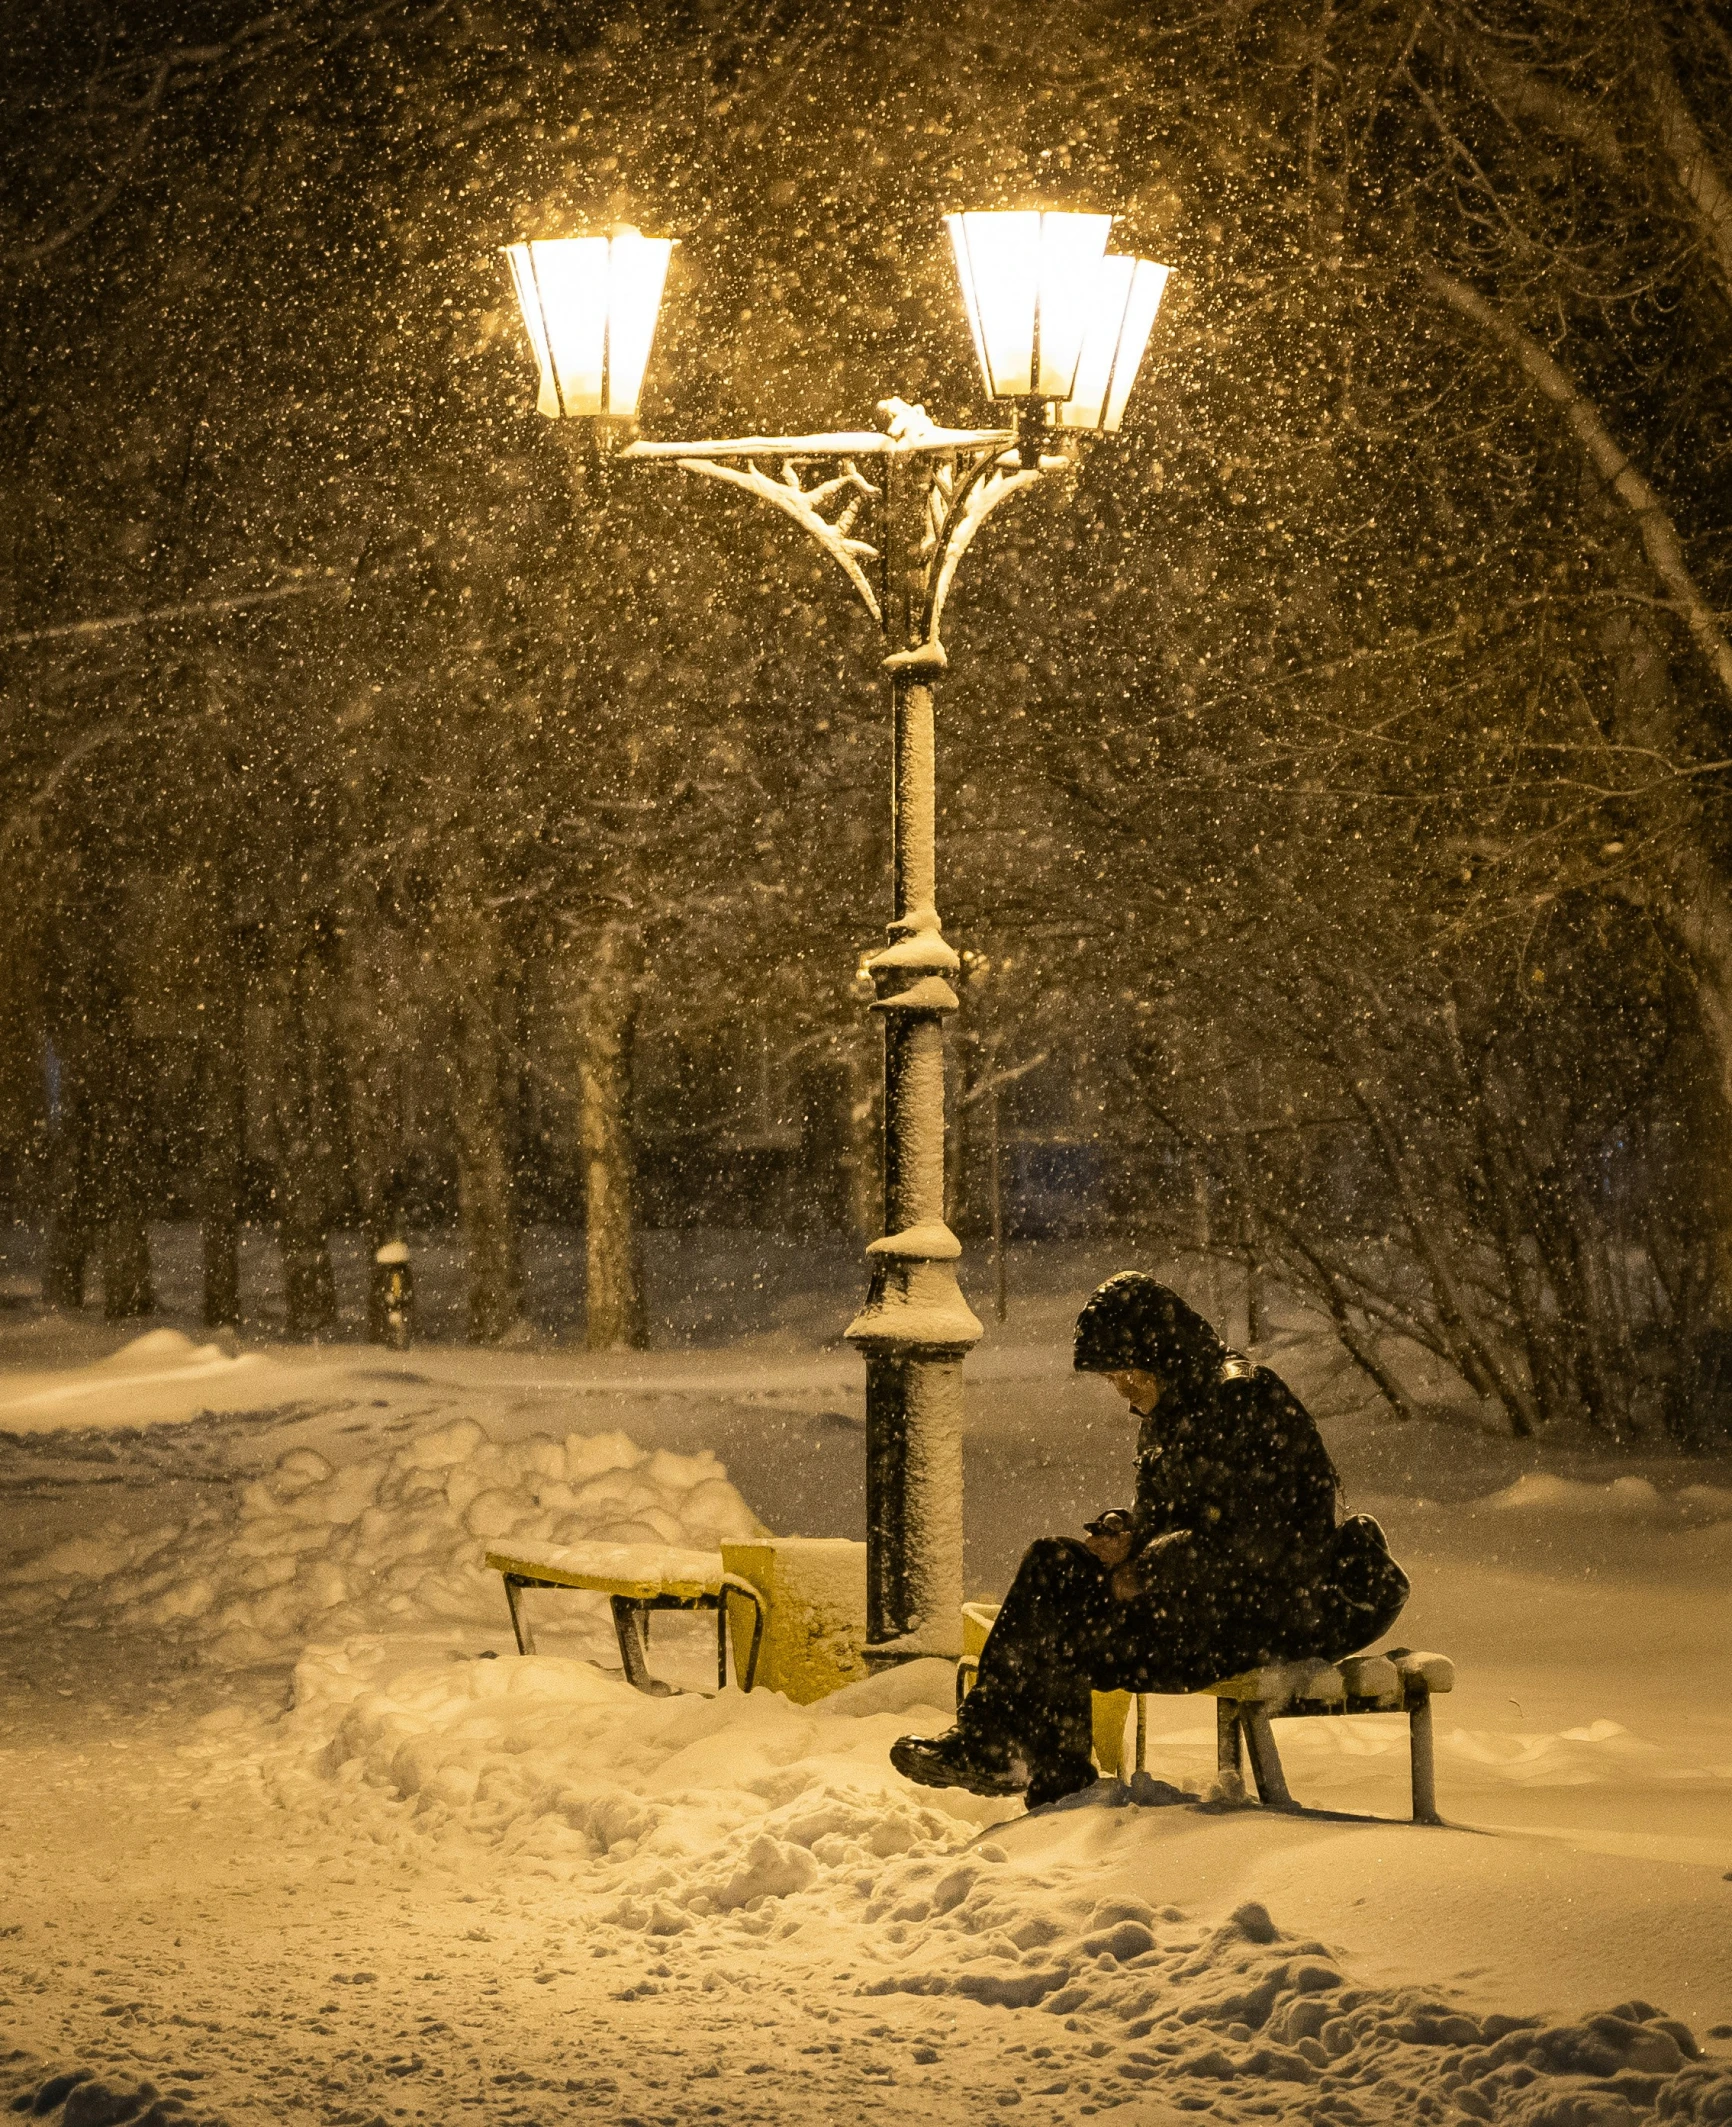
{"points": [[1230, 1463]]}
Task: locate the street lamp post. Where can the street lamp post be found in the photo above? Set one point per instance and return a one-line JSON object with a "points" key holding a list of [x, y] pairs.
{"points": [[1059, 330]]}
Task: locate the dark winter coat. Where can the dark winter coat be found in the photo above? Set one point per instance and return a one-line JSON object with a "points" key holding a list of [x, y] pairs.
{"points": [[1231, 1466]]}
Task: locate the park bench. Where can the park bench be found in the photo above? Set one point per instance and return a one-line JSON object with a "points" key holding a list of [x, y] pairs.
{"points": [[636, 1579], [1395, 1681]]}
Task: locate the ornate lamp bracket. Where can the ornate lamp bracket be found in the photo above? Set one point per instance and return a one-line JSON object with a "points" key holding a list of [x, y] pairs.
{"points": [[962, 491], [960, 477], [814, 509]]}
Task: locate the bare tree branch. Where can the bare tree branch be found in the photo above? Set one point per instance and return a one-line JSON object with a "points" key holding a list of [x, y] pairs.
{"points": [[1659, 534], [69, 231], [1518, 93], [193, 608], [1697, 173]]}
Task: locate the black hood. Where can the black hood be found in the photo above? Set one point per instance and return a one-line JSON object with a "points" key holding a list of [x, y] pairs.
{"points": [[1135, 1321]]}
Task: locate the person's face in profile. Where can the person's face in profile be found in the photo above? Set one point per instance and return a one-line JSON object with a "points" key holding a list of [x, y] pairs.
{"points": [[1140, 1389]]}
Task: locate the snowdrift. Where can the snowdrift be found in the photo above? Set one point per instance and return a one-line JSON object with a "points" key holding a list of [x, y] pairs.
{"points": [[676, 1825], [391, 1541]]}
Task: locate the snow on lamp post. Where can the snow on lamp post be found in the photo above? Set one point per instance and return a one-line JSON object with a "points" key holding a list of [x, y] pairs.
{"points": [[1059, 329]]}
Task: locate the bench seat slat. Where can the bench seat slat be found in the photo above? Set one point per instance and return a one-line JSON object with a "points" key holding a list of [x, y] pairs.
{"points": [[636, 1570], [1435, 1671], [1278, 1684]]}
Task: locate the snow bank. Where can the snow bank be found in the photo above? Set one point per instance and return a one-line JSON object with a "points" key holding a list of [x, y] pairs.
{"points": [[675, 1827], [1326, 1761], [121, 1387], [395, 1540], [1625, 1498], [691, 1805]]}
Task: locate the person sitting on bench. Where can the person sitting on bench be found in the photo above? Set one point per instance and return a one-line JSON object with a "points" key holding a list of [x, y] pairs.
{"points": [[1231, 1557]]}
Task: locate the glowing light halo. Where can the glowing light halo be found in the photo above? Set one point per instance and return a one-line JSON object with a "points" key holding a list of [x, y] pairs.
{"points": [[1027, 281]]}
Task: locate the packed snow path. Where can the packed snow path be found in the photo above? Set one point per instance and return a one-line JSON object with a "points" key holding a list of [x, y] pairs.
{"points": [[446, 1884]]}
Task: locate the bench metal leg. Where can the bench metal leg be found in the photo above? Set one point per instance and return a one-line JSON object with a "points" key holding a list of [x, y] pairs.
{"points": [[627, 1618], [746, 1593], [1142, 1731], [1424, 1762], [514, 1587], [1265, 1758], [1229, 1755]]}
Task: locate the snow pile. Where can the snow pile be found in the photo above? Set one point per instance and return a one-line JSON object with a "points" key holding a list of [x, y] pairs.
{"points": [[1625, 1498], [679, 1827], [132, 1381], [392, 1541], [664, 1811], [1244, 2005]]}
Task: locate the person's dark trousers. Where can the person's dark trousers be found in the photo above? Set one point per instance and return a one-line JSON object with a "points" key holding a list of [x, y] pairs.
{"points": [[1058, 1625], [1062, 1634]]}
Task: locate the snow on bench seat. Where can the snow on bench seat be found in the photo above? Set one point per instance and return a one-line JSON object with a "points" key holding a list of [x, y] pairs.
{"points": [[1362, 1683], [635, 1570]]}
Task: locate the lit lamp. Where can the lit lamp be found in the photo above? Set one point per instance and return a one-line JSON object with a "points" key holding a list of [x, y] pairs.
{"points": [[1055, 321], [590, 305], [1126, 295]]}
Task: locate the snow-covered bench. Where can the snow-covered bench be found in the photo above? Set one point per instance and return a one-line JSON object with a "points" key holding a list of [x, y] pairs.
{"points": [[637, 1578], [1396, 1681]]}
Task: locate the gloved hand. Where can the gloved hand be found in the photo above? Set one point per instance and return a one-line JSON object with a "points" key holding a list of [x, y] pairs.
{"points": [[1112, 1536], [1136, 1576]]}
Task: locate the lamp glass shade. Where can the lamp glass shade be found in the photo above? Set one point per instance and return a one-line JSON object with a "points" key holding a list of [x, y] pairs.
{"points": [[1121, 314], [1027, 283], [590, 305]]}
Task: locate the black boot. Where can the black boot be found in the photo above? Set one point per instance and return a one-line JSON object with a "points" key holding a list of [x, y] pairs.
{"points": [[956, 1760]]}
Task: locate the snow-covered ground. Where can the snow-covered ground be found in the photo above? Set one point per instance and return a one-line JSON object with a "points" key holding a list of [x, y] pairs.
{"points": [[291, 1833]]}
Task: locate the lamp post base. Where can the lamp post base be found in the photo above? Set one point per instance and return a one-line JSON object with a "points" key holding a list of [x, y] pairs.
{"points": [[914, 1333]]}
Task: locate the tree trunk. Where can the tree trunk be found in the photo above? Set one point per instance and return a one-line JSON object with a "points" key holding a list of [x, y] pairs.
{"points": [[1696, 908], [368, 1057], [1691, 901], [122, 1124], [864, 1157], [303, 1159], [368, 1061], [470, 947], [822, 1205], [71, 1217], [79, 1006], [222, 1127], [614, 1301]]}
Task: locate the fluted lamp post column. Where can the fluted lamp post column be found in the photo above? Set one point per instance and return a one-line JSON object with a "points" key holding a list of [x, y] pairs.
{"points": [[1059, 329]]}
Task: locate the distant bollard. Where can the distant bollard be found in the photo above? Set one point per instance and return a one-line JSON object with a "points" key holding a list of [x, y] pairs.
{"points": [[391, 1298]]}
